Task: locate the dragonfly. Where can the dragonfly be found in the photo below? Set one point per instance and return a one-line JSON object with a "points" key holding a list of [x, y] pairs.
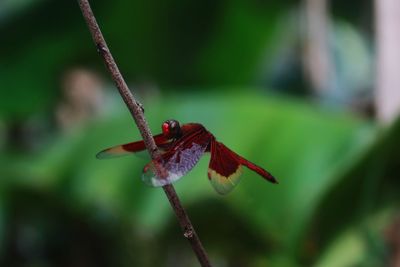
{"points": [[181, 148]]}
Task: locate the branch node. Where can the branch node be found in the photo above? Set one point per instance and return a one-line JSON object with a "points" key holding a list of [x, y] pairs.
{"points": [[188, 233], [140, 106], [101, 49]]}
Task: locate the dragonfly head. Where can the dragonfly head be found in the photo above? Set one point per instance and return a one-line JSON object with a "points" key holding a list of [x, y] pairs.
{"points": [[171, 129]]}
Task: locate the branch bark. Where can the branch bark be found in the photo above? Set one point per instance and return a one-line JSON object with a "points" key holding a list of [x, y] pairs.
{"points": [[136, 110]]}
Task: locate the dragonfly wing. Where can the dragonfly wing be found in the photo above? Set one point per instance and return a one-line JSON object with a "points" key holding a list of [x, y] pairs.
{"points": [[134, 147], [224, 170], [178, 160]]}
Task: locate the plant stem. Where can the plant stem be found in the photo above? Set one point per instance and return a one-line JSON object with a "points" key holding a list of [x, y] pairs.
{"points": [[137, 114]]}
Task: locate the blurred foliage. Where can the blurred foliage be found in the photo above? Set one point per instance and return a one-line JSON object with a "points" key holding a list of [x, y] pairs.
{"points": [[214, 61], [175, 42], [310, 150]]}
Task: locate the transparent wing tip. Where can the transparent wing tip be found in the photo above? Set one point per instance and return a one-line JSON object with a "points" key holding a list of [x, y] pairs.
{"points": [[151, 178], [112, 152], [222, 184]]}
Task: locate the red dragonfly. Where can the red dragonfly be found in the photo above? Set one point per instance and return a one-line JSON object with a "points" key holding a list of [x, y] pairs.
{"points": [[182, 147]]}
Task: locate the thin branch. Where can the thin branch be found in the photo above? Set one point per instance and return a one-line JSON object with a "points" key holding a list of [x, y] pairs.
{"points": [[137, 113]]}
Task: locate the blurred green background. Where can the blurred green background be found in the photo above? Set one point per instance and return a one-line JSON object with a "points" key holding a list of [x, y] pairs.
{"points": [[238, 68]]}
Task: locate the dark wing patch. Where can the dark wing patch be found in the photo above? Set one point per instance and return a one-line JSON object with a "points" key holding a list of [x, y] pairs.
{"points": [[224, 170], [134, 147], [178, 160]]}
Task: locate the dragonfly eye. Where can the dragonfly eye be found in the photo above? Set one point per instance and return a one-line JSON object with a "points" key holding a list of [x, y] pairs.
{"points": [[171, 128], [165, 128]]}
